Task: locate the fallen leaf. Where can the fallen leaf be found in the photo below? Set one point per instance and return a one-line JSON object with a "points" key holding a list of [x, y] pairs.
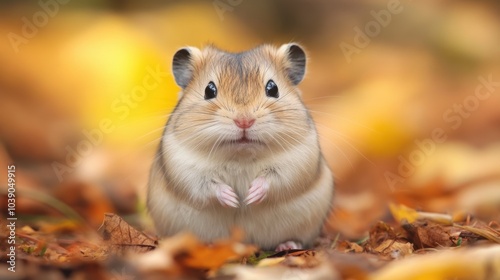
{"points": [[349, 247], [475, 263], [380, 233], [120, 237], [394, 249], [402, 213], [429, 235], [305, 259]]}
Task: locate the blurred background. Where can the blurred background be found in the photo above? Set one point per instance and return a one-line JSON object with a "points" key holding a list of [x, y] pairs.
{"points": [[405, 94]]}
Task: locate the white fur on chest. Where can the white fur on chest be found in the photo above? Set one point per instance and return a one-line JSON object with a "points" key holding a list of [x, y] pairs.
{"points": [[237, 170]]}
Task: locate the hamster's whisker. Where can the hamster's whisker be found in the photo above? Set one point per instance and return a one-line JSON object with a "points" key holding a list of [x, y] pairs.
{"points": [[290, 138], [278, 99], [300, 166], [336, 147], [349, 144], [296, 141], [199, 128], [323, 97], [211, 101], [340, 150], [196, 138], [345, 119], [150, 132], [192, 138], [221, 136], [286, 110], [283, 109], [151, 142], [337, 133], [219, 104], [195, 124], [275, 100], [276, 141], [199, 142], [340, 136], [157, 117], [225, 135], [328, 140], [265, 142]]}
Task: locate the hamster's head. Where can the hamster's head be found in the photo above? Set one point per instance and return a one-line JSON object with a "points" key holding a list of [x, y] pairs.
{"points": [[235, 103]]}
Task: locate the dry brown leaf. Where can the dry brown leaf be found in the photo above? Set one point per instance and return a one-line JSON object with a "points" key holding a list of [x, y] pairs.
{"points": [[394, 249], [433, 236], [86, 251], [303, 259], [429, 235], [349, 247], [120, 237], [379, 233]]}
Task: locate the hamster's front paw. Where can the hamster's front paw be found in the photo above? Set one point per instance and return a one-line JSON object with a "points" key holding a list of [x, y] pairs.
{"points": [[226, 196], [258, 191]]}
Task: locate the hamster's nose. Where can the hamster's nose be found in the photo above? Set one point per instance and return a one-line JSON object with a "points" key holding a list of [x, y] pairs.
{"points": [[244, 122]]}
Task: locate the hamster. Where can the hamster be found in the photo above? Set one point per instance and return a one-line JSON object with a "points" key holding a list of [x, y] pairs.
{"points": [[241, 150]]}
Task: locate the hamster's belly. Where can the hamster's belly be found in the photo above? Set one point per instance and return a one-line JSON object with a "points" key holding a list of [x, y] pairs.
{"points": [[264, 224]]}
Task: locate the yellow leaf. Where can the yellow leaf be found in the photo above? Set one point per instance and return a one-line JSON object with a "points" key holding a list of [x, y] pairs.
{"points": [[476, 263], [401, 212]]}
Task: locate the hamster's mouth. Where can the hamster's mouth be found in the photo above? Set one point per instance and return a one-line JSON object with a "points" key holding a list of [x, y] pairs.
{"points": [[243, 141]]}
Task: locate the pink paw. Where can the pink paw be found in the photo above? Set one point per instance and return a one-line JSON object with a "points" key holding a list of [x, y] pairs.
{"points": [[226, 196], [258, 191], [289, 245]]}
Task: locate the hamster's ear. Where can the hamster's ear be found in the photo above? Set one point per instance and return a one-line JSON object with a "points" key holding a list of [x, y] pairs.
{"points": [[295, 61], [183, 65]]}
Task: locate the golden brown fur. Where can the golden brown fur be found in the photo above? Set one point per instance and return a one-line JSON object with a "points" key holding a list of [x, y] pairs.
{"points": [[201, 157]]}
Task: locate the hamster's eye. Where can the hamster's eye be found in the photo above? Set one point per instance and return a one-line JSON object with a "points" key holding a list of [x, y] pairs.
{"points": [[272, 89], [210, 91]]}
